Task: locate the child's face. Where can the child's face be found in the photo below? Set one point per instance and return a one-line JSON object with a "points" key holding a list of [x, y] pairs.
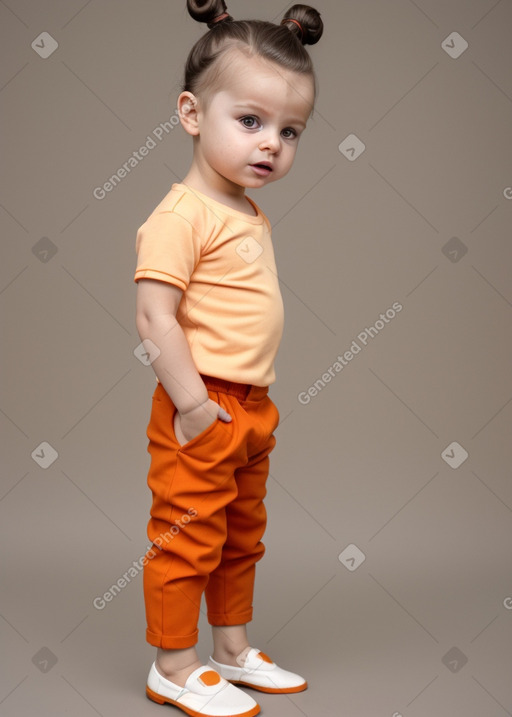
{"points": [[257, 116]]}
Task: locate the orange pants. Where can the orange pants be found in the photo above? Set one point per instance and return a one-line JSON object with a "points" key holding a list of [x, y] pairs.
{"points": [[207, 516]]}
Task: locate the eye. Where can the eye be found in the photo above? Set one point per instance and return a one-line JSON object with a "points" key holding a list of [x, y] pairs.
{"points": [[289, 133], [249, 122]]}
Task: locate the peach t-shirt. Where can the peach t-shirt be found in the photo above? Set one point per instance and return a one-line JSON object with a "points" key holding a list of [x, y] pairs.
{"points": [[231, 310]]}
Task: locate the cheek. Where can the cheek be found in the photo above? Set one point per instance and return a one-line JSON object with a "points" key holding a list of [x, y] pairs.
{"points": [[231, 147], [290, 152], [286, 163], [216, 142]]}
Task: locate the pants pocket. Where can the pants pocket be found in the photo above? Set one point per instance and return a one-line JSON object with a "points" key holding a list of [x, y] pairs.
{"points": [[175, 420]]}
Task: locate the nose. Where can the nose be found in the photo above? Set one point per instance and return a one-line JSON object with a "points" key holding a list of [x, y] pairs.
{"points": [[270, 141]]}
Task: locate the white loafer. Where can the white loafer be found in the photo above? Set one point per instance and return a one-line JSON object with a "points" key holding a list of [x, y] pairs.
{"points": [[206, 694], [259, 672]]}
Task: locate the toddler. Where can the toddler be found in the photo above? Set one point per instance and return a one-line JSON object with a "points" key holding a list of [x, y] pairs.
{"points": [[208, 299]]}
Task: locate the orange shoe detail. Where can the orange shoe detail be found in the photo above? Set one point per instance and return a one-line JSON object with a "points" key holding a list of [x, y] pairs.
{"points": [[264, 657], [155, 697], [272, 690], [209, 678]]}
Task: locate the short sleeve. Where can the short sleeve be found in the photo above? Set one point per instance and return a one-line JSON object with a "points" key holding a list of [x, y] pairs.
{"points": [[168, 249]]}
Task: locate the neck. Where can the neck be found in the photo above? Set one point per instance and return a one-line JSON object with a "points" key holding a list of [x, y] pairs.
{"points": [[205, 180]]}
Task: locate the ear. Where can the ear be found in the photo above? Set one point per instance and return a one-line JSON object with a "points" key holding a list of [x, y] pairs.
{"points": [[187, 109]]}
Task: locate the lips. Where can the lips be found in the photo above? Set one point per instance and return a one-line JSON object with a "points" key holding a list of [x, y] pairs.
{"points": [[262, 169], [263, 165]]}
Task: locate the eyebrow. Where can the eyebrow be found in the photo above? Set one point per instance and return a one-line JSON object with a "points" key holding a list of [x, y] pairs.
{"points": [[259, 108]]}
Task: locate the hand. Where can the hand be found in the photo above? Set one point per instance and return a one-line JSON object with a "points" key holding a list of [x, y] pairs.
{"points": [[189, 425]]}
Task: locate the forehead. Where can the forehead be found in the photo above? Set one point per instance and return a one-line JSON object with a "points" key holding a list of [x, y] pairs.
{"points": [[246, 77]]}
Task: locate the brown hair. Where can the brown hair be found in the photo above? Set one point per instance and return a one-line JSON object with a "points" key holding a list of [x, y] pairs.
{"points": [[282, 44]]}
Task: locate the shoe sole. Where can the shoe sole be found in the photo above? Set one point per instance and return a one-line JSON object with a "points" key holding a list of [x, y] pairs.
{"points": [[272, 690], [160, 699]]}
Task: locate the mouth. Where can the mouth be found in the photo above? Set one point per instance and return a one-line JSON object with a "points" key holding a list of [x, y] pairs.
{"points": [[262, 168]]}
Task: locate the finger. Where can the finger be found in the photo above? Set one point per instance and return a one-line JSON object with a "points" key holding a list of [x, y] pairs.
{"points": [[223, 415]]}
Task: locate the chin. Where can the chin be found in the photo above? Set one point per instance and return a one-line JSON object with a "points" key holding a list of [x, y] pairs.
{"points": [[252, 183]]}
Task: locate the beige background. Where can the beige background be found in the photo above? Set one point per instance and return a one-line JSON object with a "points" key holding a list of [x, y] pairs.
{"points": [[361, 464]]}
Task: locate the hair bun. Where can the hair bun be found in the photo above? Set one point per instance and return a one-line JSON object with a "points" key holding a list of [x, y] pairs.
{"points": [[207, 10], [305, 22]]}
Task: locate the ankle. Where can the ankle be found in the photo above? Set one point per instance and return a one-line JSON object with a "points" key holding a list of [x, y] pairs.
{"points": [[177, 665], [230, 644], [230, 654], [177, 676]]}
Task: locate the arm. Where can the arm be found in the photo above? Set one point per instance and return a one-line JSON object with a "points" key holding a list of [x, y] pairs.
{"points": [[157, 304]]}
